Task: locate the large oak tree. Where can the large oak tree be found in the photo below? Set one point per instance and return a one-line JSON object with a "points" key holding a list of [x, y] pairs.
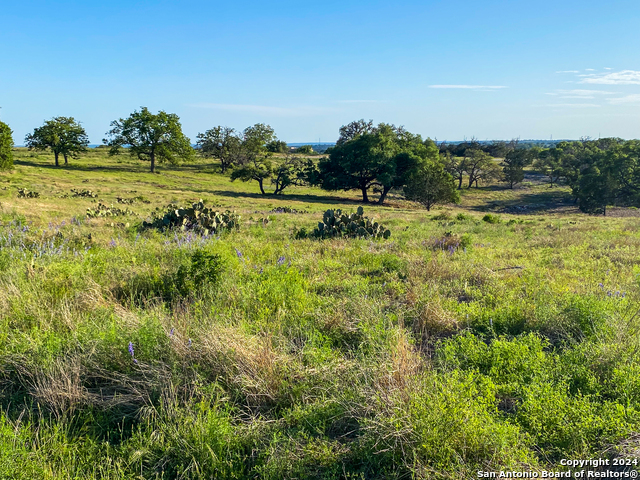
{"points": [[63, 135], [150, 137]]}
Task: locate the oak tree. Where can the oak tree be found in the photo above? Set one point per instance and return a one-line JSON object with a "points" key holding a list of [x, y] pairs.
{"points": [[150, 137], [63, 135]]}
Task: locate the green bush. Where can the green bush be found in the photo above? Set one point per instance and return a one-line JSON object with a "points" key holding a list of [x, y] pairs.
{"points": [[199, 274], [6, 145], [491, 218]]}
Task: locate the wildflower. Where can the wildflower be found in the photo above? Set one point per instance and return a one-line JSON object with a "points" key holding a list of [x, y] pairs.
{"points": [[112, 243], [171, 333], [132, 353], [189, 344], [238, 252], [281, 260], [601, 285]]}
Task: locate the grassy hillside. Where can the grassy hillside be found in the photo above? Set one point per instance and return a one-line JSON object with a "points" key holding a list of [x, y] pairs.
{"points": [[456, 345]]}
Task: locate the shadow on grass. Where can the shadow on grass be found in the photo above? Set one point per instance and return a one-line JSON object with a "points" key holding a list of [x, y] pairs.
{"points": [[84, 168], [524, 203], [308, 198]]}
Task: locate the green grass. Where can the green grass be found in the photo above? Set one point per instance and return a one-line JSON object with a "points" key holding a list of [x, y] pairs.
{"points": [[457, 345]]}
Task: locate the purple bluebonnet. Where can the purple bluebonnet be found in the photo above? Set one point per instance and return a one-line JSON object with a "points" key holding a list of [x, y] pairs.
{"points": [[112, 243], [132, 353], [281, 260]]}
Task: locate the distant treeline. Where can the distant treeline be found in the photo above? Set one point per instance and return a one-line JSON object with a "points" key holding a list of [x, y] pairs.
{"points": [[366, 157]]}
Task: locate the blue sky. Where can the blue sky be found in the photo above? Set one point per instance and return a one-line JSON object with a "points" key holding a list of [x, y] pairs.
{"points": [[444, 69]]}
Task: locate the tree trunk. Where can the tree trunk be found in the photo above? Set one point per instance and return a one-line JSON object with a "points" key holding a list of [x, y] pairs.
{"points": [[260, 181], [365, 197], [460, 182], [383, 196], [153, 162], [66, 160], [56, 154]]}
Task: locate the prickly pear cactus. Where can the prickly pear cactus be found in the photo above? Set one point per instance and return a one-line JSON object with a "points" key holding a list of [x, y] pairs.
{"points": [[197, 217], [24, 193], [335, 223], [104, 211]]}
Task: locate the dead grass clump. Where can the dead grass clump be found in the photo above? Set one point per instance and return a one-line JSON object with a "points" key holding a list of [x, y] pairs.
{"points": [[398, 373], [59, 387], [71, 383], [251, 364], [429, 322]]}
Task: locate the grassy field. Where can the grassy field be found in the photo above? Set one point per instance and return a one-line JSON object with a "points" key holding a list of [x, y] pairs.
{"points": [[457, 345]]}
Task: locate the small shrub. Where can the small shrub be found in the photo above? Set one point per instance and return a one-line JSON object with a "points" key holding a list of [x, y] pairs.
{"points": [[491, 218], [200, 273], [463, 217], [452, 242], [205, 269], [444, 216]]}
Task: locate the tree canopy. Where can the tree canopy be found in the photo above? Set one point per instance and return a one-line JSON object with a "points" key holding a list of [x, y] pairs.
{"points": [[6, 145], [223, 143], [150, 137], [599, 172], [366, 157], [63, 135], [430, 185], [256, 161]]}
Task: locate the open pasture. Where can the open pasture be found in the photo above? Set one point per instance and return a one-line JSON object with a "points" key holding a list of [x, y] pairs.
{"points": [[454, 346]]}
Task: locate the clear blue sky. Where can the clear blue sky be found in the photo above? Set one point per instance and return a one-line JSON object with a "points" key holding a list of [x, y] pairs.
{"points": [[563, 68]]}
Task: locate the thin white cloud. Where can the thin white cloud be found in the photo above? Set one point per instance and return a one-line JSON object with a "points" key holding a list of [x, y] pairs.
{"points": [[608, 68], [265, 110], [360, 101], [624, 77], [579, 93], [470, 87], [568, 71], [570, 105], [589, 69], [628, 99]]}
